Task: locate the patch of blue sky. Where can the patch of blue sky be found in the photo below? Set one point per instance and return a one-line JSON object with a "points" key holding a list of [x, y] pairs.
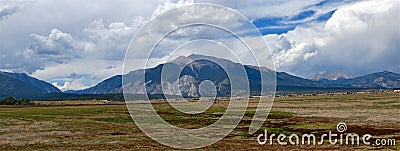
{"points": [[280, 25], [276, 30], [310, 14], [303, 15], [331, 2], [272, 25]]}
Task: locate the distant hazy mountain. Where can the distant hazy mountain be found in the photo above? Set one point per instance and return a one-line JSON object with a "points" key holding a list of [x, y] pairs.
{"points": [[328, 76], [108, 86], [191, 76], [22, 85], [384, 79], [285, 80]]}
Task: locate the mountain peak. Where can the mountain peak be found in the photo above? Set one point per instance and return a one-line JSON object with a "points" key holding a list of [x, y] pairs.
{"points": [[181, 60], [330, 75], [23, 85], [386, 72]]}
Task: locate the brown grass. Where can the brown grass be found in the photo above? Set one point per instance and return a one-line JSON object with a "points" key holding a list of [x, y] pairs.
{"points": [[98, 126]]}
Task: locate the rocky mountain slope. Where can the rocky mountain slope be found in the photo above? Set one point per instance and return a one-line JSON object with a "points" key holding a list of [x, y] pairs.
{"points": [[329, 75], [197, 68]]}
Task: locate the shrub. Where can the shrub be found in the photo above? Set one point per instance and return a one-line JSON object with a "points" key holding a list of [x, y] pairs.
{"points": [[9, 101], [12, 101]]}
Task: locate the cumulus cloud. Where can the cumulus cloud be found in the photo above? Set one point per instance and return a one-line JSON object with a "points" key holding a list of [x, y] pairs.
{"points": [[96, 51], [359, 38], [170, 5], [57, 46], [74, 85], [290, 53], [175, 24], [96, 41], [110, 42], [25, 30]]}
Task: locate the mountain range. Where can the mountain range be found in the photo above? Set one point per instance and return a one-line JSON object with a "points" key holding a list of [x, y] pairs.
{"points": [[195, 69], [331, 76], [199, 68], [22, 85], [383, 79]]}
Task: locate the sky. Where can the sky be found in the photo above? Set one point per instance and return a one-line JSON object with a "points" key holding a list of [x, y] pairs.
{"points": [[76, 44]]}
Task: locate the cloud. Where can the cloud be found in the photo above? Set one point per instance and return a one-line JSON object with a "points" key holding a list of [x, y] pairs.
{"points": [[7, 10], [96, 41], [170, 5], [319, 11], [97, 51], [91, 71], [53, 39], [57, 46], [156, 29], [109, 42], [29, 25], [359, 38], [290, 53], [74, 85]]}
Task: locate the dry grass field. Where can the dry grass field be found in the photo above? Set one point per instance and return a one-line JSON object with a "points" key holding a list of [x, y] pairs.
{"points": [[91, 125]]}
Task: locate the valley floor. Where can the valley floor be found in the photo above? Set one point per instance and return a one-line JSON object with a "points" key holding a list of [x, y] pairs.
{"points": [[108, 126]]}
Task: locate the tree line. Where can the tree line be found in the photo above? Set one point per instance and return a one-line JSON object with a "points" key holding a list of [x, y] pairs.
{"points": [[12, 101]]}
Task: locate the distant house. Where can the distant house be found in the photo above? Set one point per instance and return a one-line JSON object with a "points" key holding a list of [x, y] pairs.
{"points": [[396, 90]]}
